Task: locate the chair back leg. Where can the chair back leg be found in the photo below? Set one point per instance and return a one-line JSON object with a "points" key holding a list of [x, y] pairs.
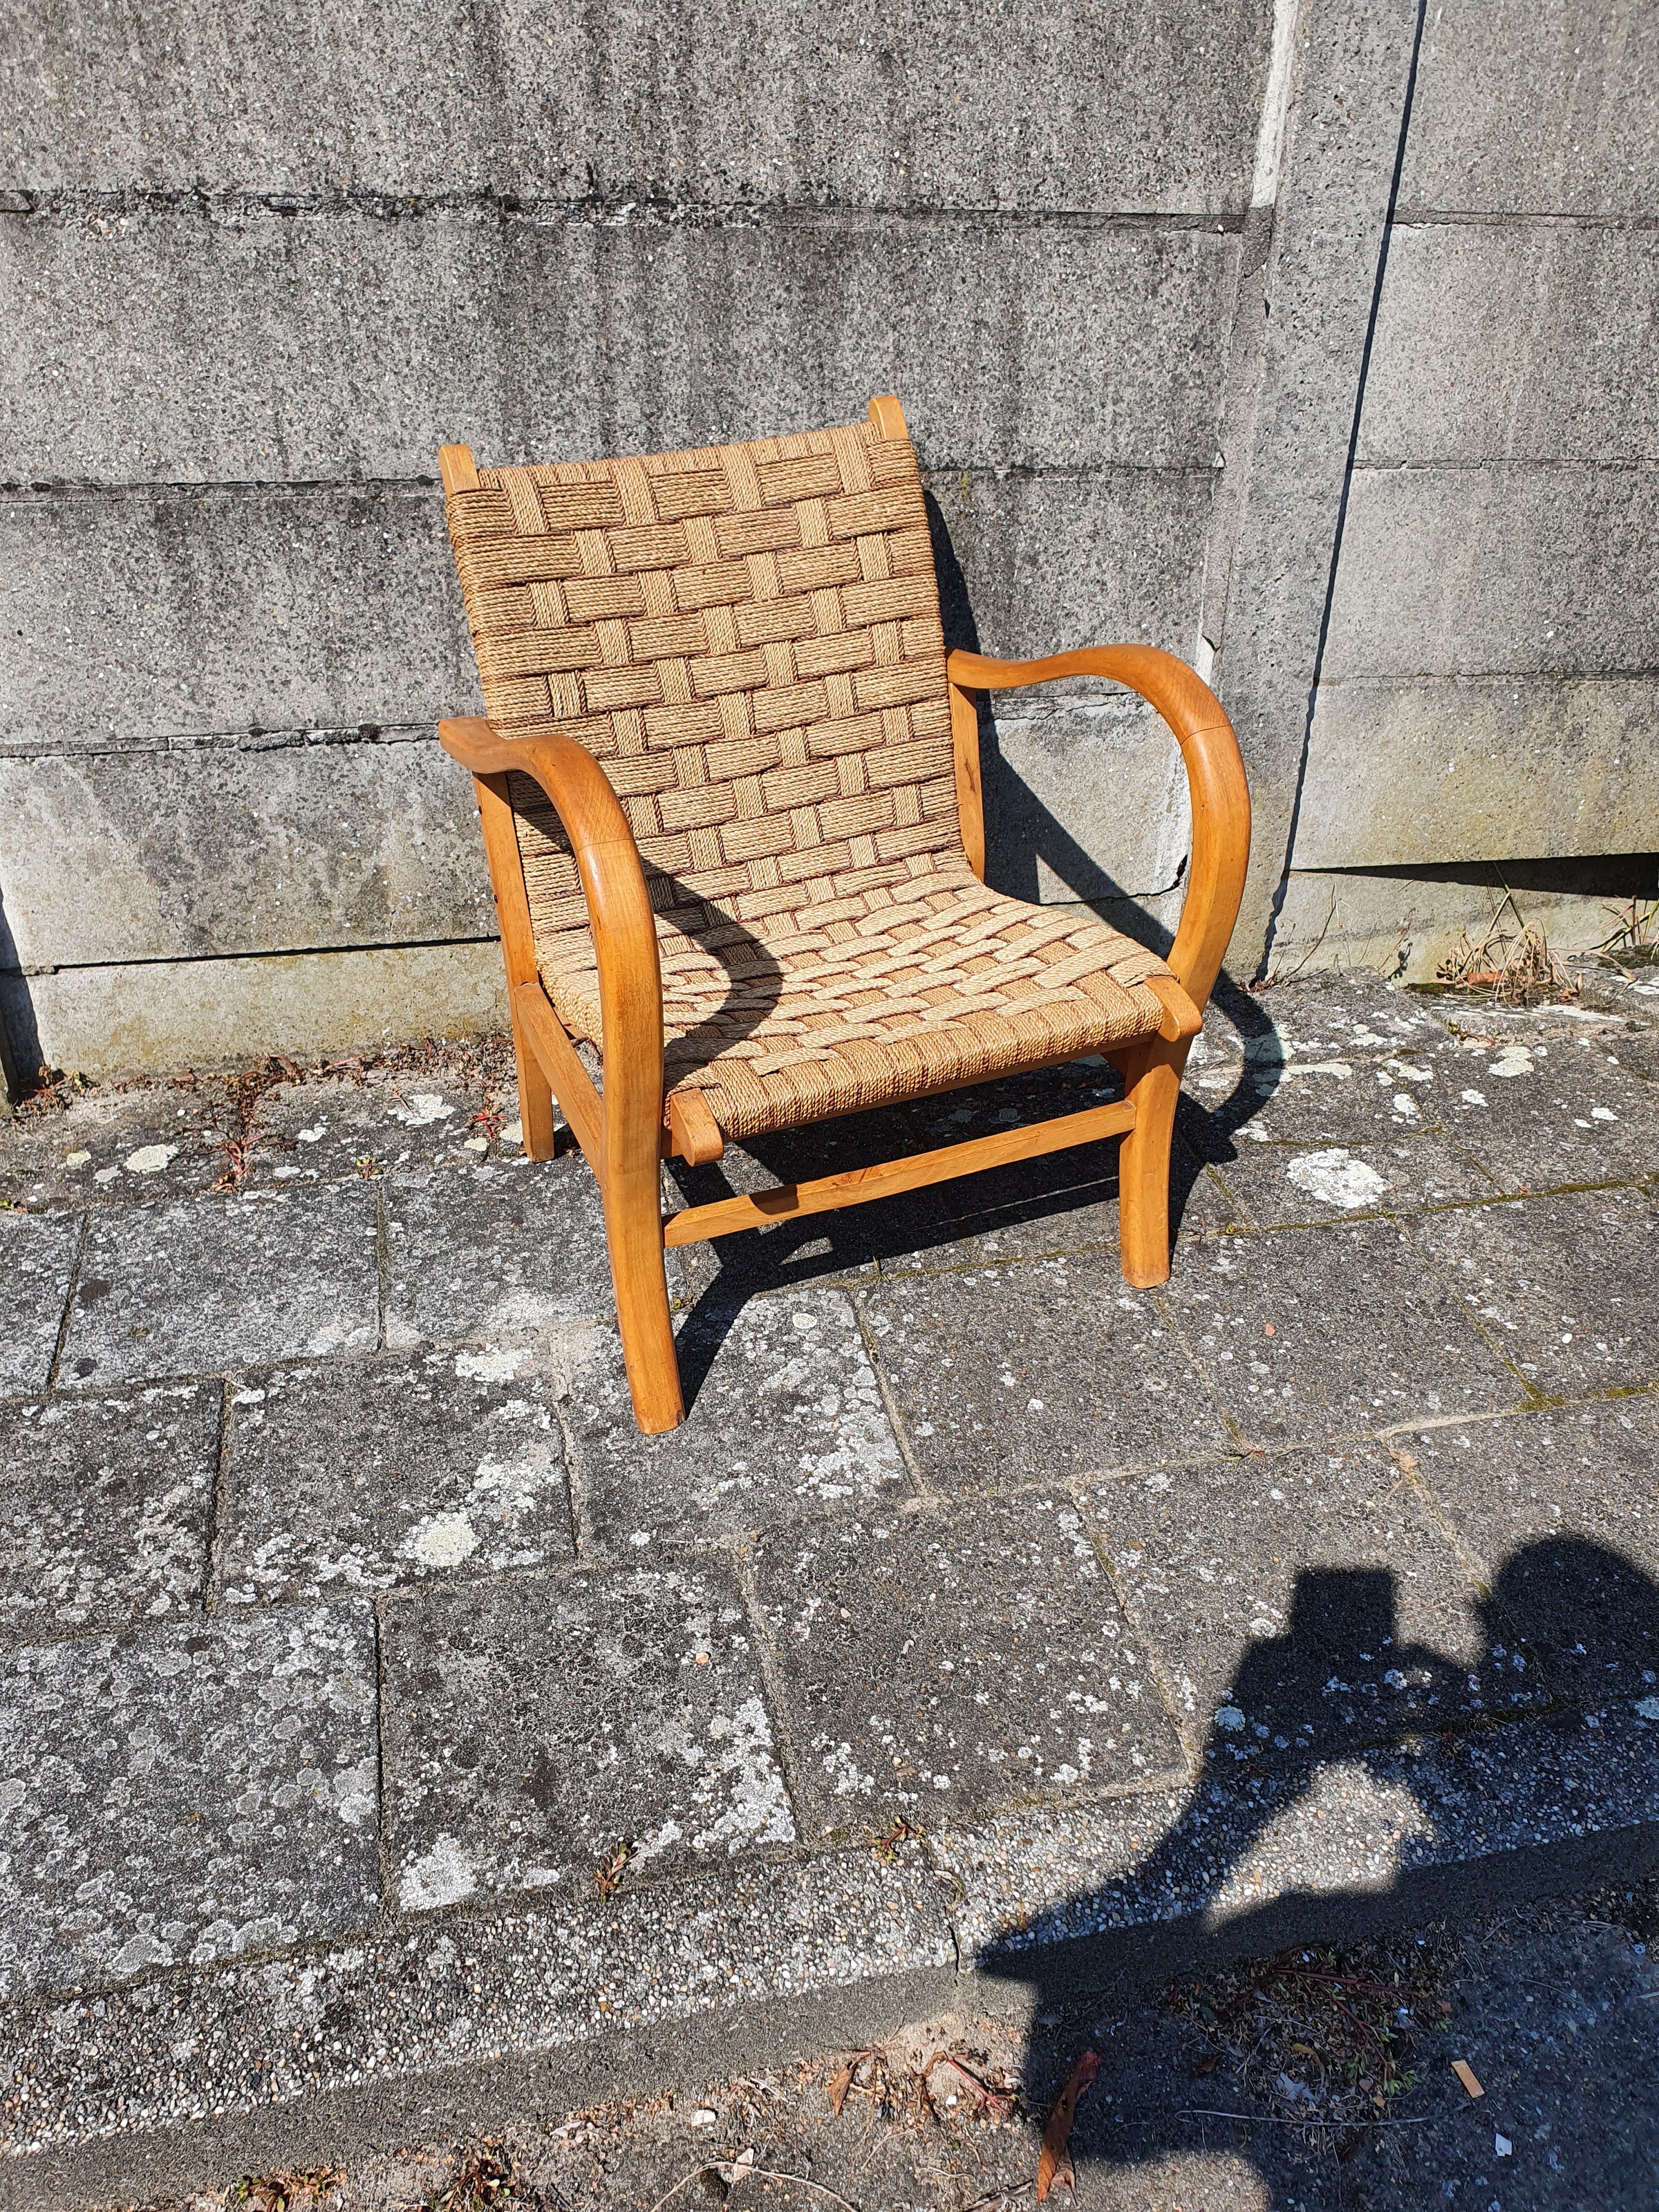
{"points": [[1152, 1076], [535, 1095]]}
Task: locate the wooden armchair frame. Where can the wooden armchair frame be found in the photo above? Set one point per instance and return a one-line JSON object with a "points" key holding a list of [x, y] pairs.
{"points": [[627, 1127]]}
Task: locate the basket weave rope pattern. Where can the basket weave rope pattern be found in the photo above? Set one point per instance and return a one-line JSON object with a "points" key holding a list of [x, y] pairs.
{"points": [[748, 638]]}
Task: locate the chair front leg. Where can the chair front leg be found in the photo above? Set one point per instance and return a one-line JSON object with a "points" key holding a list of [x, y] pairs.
{"points": [[632, 1188], [1152, 1080]]}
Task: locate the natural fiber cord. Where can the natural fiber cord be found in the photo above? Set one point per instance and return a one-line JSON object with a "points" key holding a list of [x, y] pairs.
{"points": [[748, 638]]}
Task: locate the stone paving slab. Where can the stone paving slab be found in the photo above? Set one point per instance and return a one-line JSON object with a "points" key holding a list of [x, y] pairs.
{"points": [[370, 1474], [1283, 1185], [493, 1252], [534, 1728], [930, 1670], [1306, 1600], [786, 1419], [1569, 1286], [37, 1262], [1040, 1373], [1557, 1512], [1540, 1117], [1332, 1331], [178, 1795], [1579, 1790], [107, 1504], [201, 1285], [440, 1994], [336, 1129]]}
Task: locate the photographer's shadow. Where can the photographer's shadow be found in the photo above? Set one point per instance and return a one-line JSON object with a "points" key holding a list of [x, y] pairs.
{"points": [[1316, 1759]]}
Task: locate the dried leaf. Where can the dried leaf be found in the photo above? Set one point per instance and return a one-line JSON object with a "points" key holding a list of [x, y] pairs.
{"points": [[1058, 2133], [1208, 2065], [839, 2085]]}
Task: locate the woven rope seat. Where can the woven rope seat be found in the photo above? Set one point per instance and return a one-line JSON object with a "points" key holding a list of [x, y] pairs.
{"points": [[747, 638]]}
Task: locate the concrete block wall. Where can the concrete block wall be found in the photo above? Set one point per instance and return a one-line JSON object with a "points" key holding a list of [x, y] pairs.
{"points": [[1121, 264], [1491, 666]]}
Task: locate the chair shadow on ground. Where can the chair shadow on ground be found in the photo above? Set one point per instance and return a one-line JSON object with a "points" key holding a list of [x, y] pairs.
{"points": [[1313, 1699]]}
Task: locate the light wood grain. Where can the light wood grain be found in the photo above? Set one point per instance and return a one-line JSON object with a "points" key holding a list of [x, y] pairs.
{"points": [[793, 1201]]}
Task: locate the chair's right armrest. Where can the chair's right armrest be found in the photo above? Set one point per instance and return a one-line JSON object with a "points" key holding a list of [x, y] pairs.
{"points": [[613, 883]]}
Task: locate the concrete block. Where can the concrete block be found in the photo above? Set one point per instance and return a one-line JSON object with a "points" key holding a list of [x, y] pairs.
{"points": [[1529, 570], [246, 849], [1524, 341], [1085, 799], [370, 1474], [1312, 1593], [1113, 107], [785, 1418], [1276, 1185], [187, 1794], [594, 1996], [37, 1265], [1025, 1372], [217, 1013], [1442, 768], [1535, 1275], [498, 1253], [533, 1728], [1528, 107], [1548, 1117], [1030, 565], [109, 1503], [203, 1285], [932, 1669], [1402, 922], [1308, 282], [150, 615], [1364, 1333], [345, 344], [1557, 1509]]}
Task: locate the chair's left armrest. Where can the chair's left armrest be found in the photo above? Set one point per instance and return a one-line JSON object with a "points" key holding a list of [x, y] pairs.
{"points": [[1215, 779]]}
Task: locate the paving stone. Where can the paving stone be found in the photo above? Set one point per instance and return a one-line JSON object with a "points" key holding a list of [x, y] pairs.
{"points": [[937, 1666], [335, 1129], [1306, 1600], [365, 1475], [1370, 1100], [112, 1146], [1304, 1830], [1040, 1371], [1560, 1511], [534, 1728], [1363, 1332], [107, 1504], [784, 1418], [37, 1259], [181, 1794], [492, 1985], [1275, 1186], [209, 1284], [1538, 1116], [1568, 1286], [495, 1251]]}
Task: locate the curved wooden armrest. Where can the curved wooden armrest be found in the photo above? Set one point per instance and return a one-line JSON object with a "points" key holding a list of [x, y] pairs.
{"points": [[618, 907], [1215, 778]]}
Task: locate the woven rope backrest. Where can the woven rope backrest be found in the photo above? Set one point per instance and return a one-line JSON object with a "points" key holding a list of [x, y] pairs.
{"points": [[748, 637]]}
